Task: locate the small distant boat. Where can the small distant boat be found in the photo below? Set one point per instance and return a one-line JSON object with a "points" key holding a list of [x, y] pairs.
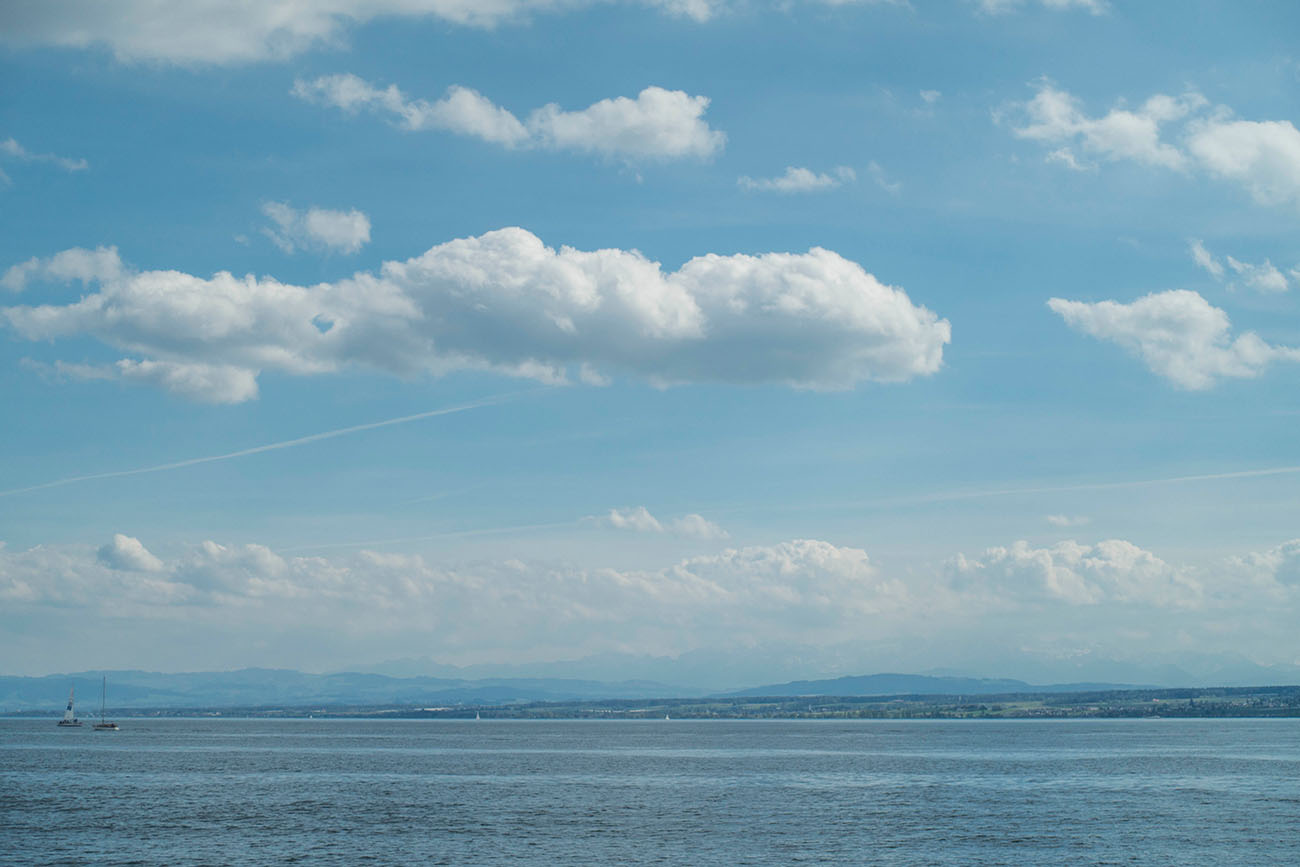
{"points": [[103, 725], [476, 716], [69, 718]]}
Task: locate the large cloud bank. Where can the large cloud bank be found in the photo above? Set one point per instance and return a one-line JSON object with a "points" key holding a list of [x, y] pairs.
{"points": [[505, 302], [800, 592]]}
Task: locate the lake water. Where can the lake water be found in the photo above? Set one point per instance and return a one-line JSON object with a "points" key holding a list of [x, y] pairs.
{"points": [[179, 792]]}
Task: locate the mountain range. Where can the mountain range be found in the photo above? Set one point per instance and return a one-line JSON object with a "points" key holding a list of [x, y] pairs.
{"points": [[417, 682]]}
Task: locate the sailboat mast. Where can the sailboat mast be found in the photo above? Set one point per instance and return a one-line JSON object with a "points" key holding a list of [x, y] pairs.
{"points": [[103, 692]]}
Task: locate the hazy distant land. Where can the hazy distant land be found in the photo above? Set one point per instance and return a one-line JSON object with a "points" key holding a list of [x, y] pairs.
{"points": [[278, 693]]}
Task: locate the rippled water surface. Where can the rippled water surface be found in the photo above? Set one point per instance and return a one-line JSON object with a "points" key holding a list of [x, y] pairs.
{"points": [[681, 792]]}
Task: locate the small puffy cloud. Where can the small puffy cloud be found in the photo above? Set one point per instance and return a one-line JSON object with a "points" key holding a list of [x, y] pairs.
{"points": [[657, 124], [1066, 157], [1055, 117], [1264, 277], [205, 383], [930, 97], [318, 228], [799, 180], [640, 520], [1204, 259], [1077, 574], [10, 149], [505, 302], [1177, 334], [1068, 520], [1262, 156], [86, 266], [129, 554], [882, 179], [461, 110]]}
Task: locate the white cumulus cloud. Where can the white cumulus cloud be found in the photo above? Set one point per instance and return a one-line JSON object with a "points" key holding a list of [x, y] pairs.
{"points": [[640, 520], [1263, 157], [657, 124], [1264, 277], [1078, 574], [129, 553], [1055, 117], [799, 180], [506, 302], [1177, 334], [85, 266], [316, 228]]}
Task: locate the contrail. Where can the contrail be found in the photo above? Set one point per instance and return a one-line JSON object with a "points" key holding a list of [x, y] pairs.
{"points": [[269, 447]]}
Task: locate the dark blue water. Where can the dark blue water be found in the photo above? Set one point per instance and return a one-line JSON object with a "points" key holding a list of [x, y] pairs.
{"points": [[342, 792]]}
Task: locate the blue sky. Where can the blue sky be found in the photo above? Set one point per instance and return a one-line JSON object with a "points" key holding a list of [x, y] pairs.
{"points": [[876, 335]]}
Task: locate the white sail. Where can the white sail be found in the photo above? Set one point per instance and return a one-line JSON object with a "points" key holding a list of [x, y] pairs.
{"points": [[69, 717]]}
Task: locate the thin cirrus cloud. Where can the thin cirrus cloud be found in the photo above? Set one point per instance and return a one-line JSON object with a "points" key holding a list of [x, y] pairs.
{"points": [[799, 180], [1264, 277], [316, 228], [503, 302], [1178, 335], [657, 124], [640, 520], [1262, 157], [12, 150]]}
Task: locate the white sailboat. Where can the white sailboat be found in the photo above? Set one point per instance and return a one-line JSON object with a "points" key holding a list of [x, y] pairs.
{"points": [[103, 725], [70, 718]]}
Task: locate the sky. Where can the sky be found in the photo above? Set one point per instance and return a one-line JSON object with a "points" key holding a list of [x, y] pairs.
{"points": [[837, 336]]}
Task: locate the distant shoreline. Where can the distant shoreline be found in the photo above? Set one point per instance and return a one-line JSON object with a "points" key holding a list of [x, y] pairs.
{"points": [[1269, 702]]}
